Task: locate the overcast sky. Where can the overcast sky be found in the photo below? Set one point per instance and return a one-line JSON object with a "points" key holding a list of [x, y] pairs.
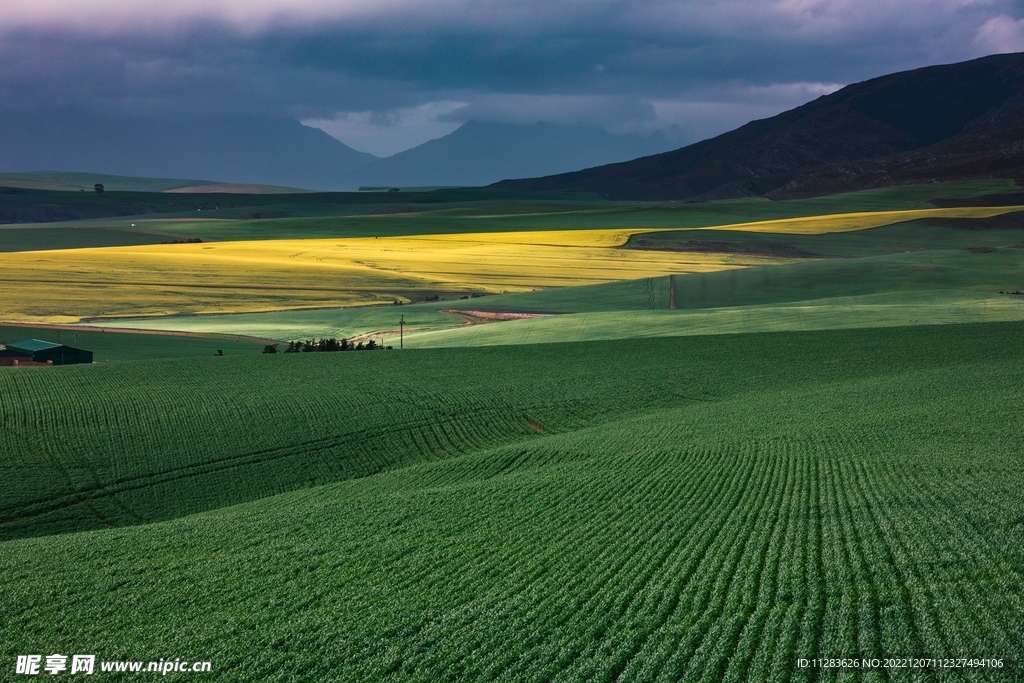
{"points": [[385, 75]]}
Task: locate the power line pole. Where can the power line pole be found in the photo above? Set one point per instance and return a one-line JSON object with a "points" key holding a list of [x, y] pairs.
{"points": [[401, 333]]}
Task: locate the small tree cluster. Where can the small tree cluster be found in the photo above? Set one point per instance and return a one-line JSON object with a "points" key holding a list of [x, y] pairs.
{"points": [[331, 345]]}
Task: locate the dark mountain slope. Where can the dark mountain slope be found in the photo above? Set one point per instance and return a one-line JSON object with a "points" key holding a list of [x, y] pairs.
{"points": [[237, 150], [938, 123], [481, 152]]}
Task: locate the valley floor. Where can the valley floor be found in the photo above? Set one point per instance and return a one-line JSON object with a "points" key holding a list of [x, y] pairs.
{"points": [[694, 442]]}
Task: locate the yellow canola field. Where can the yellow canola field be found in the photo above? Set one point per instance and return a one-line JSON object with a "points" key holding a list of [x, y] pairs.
{"points": [[851, 222], [168, 279]]}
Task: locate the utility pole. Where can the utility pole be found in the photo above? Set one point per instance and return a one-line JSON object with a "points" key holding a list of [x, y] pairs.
{"points": [[401, 333]]}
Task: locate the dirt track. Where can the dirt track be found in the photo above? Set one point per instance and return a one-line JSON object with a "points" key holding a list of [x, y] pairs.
{"points": [[480, 317], [468, 318]]}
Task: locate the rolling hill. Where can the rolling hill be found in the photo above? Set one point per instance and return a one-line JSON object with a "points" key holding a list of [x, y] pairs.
{"points": [[951, 122]]}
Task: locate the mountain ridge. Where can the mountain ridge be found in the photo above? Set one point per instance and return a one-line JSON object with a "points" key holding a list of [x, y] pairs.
{"points": [[284, 153], [947, 122]]}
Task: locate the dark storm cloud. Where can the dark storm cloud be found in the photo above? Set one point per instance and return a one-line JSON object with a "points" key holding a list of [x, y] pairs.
{"points": [[611, 61]]}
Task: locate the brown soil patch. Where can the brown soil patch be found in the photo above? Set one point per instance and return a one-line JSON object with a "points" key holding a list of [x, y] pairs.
{"points": [[386, 210], [480, 317], [468, 318], [536, 427]]}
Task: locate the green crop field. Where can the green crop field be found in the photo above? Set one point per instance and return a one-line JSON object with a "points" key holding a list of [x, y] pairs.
{"points": [[701, 508]]}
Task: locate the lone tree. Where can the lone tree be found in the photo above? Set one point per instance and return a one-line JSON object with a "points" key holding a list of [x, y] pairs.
{"points": [[98, 187]]}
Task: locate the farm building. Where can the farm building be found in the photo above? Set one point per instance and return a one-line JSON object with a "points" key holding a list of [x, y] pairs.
{"points": [[38, 351]]}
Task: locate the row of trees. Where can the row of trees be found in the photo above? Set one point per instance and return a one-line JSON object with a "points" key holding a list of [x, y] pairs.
{"points": [[323, 345]]}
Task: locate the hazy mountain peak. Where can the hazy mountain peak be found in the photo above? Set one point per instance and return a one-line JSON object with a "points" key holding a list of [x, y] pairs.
{"points": [[238, 149], [482, 152]]}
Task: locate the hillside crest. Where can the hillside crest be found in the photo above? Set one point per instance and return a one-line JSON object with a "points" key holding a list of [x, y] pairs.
{"points": [[942, 123]]}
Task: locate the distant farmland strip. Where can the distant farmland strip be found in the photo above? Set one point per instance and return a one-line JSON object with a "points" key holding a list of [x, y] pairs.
{"points": [[268, 275]]}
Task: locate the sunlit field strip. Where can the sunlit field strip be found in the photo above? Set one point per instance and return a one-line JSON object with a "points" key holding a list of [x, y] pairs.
{"points": [[63, 286], [878, 310], [247, 276], [850, 222]]}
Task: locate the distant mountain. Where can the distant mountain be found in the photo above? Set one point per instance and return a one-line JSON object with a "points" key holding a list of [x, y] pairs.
{"points": [[939, 123], [250, 150], [479, 153]]}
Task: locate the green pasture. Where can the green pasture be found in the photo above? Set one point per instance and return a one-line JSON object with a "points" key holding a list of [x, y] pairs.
{"points": [[159, 217], [123, 346], [687, 509], [895, 309], [528, 214]]}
